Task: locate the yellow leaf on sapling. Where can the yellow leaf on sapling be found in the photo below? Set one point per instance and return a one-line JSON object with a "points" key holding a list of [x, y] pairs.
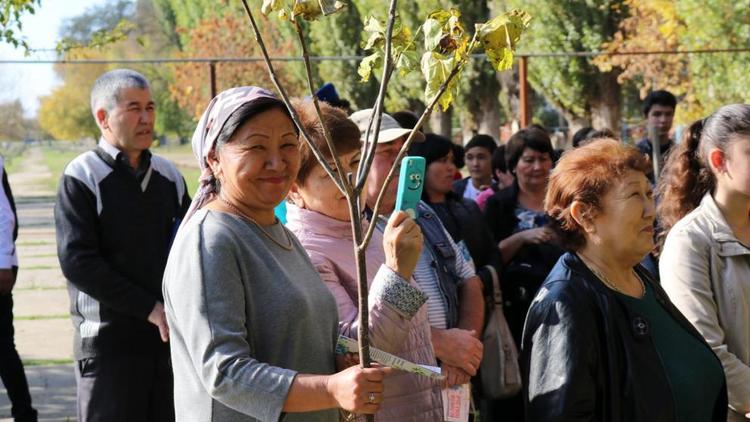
{"points": [[369, 64], [500, 35], [436, 68], [329, 7], [308, 9], [313, 9], [269, 6]]}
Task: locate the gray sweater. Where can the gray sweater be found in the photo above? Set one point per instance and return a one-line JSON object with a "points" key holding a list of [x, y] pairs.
{"points": [[245, 317]]}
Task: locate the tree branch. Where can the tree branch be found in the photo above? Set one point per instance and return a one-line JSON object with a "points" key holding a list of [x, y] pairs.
{"points": [[344, 182], [376, 209], [282, 92], [369, 146]]}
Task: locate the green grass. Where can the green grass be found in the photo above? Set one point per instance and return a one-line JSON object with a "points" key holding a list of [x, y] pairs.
{"points": [[56, 159], [166, 151], [43, 255], [35, 243], [191, 176], [13, 155], [40, 267], [47, 362], [40, 317], [12, 163], [181, 154]]}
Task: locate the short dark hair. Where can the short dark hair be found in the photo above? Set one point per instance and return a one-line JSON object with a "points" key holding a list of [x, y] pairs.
{"points": [[538, 127], [458, 156], [660, 97], [407, 119], [581, 135], [433, 148], [588, 134], [498, 160], [484, 141], [533, 138]]}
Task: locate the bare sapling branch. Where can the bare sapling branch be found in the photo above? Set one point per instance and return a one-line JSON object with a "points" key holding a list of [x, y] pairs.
{"points": [[412, 135], [344, 181], [371, 142], [285, 98], [363, 331]]}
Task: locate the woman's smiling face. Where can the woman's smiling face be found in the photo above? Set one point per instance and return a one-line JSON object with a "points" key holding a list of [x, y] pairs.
{"points": [[258, 164]]}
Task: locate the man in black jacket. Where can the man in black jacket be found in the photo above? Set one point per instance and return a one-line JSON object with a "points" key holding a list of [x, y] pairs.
{"points": [[118, 208], [11, 367]]}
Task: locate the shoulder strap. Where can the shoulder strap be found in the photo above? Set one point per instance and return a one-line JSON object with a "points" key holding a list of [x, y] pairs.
{"points": [[497, 294]]}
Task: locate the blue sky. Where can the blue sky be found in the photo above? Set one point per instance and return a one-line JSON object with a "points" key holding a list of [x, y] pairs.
{"points": [[29, 82]]}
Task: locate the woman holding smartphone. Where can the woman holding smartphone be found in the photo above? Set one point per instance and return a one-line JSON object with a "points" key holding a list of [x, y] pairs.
{"points": [[318, 214]]}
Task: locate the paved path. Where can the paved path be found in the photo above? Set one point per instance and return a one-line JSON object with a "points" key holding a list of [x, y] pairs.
{"points": [[43, 330]]}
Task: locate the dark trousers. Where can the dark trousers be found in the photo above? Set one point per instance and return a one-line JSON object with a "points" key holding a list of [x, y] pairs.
{"points": [[506, 410], [11, 368], [125, 388]]}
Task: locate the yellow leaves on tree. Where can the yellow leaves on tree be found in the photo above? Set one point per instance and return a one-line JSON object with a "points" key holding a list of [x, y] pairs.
{"points": [[436, 69], [448, 48], [500, 35], [66, 112], [402, 43], [228, 36], [652, 25], [307, 9]]}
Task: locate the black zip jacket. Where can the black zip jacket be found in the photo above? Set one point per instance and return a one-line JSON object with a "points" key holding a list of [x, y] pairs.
{"points": [[585, 357], [463, 220], [522, 275], [114, 230]]}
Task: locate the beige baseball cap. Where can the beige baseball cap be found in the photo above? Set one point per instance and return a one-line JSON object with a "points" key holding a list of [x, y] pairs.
{"points": [[390, 130]]}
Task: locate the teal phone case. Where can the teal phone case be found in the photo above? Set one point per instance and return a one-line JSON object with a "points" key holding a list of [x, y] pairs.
{"points": [[410, 185]]}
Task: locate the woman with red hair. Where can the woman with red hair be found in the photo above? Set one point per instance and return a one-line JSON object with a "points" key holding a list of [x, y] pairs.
{"points": [[602, 341]]}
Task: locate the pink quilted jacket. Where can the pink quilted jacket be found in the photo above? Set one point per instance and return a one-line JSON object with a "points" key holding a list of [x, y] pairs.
{"points": [[394, 328]]}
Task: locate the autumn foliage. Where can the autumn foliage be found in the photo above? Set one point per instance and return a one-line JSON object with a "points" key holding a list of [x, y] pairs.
{"points": [[226, 36]]}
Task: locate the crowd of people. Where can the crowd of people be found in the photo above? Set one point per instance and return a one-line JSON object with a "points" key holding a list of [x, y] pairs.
{"points": [[625, 286]]}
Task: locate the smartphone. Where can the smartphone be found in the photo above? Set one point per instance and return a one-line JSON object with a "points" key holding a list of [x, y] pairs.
{"points": [[410, 185]]}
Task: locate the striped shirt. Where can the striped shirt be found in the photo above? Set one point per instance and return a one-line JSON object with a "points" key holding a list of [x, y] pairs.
{"points": [[426, 277]]}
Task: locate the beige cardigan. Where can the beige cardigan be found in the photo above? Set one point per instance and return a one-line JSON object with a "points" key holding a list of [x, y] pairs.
{"points": [[706, 272]]}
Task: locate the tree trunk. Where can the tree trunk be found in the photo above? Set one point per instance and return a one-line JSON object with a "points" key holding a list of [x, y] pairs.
{"points": [[508, 99], [605, 105], [440, 122], [491, 117], [575, 123], [486, 120]]}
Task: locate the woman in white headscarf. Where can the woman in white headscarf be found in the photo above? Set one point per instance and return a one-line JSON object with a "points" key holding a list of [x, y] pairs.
{"points": [[253, 328]]}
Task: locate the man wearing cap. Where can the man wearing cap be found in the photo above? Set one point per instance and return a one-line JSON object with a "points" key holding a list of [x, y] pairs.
{"points": [[455, 306]]}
